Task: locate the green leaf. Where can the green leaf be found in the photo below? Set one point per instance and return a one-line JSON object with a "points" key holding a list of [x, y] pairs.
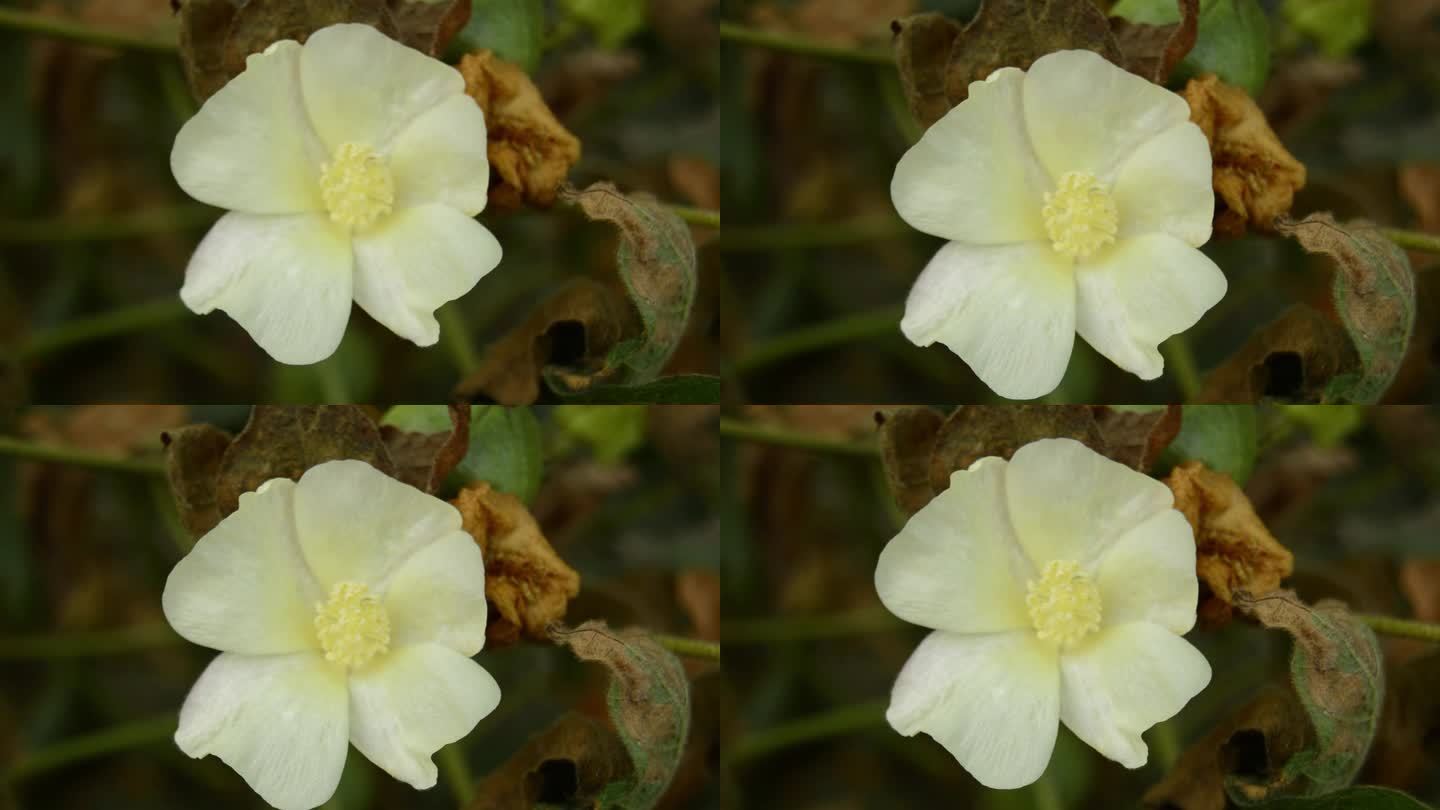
{"points": [[504, 444], [1328, 425], [1224, 437], [1234, 41], [1337, 26], [1374, 293], [613, 21], [611, 431], [681, 389], [513, 29], [1363, 797]]}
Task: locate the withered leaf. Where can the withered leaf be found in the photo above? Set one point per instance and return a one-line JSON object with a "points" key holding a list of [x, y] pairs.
{"points": [[1234, 550], [527, 585], [530, 151], [1254, 175], [656, 260], [1294, 358], [283, 441], [649, 702], [203, 26], [1374, 293], [259, 23], [972, 432], [569, 334], [570, 763], [922, 53], [422, 460], [429, 25], [1136, 439], [1153, 51], [1338, 674], [907, 436], [192, 465]]}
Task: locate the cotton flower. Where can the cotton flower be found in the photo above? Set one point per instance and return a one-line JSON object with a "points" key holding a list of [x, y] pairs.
{"points": [[1058, 584], [346, 608], [352, 167], [1074, 195]]}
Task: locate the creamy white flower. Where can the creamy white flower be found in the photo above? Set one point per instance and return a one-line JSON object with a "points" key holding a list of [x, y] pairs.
{"points": [[352, 167], [1074, 195], [1058, 584], [347, 607]]}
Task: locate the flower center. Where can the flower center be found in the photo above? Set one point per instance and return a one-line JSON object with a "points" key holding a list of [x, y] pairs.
{"points": [[352, 625], [357, 186], [1064, 604], [1080, 217]]}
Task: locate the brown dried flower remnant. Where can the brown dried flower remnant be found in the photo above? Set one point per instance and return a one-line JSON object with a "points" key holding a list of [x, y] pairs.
{"points": [[1234, 550], [1254, 175], [527, 585], [530, 151]]}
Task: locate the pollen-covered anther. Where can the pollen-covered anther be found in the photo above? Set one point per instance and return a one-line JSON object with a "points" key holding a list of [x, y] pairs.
{"points": [[356, 186], [1064, 604], [1080, 215], [352, 625]]}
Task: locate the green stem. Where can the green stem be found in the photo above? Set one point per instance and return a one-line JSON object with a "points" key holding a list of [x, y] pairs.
{"points": [[51, 26], [333, 386], [810, 729], [786, 629], [111, 226], [804, 46], [812, 235], [689, 647], [457, 338], [38, 451], [855, 328], [457, 773], [1046, 793], [139, 734], [1182, 364], [1404, 628], [115, 322], [136, 638], [1413, 240], [697, 216], [768, 434]]}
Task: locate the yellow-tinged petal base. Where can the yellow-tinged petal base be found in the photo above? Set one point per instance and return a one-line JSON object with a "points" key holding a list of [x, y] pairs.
{"points": [[1080, 215], [357, 186], [352, 626], [1064, 603]]}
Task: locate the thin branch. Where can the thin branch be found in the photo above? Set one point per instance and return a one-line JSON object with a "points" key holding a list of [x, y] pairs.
{"points": [[1404, 628], [838, 722], [688, 647], [121, 641], [47, 25], [139, 734], [457, 773], [38, 451], [115, 322], [782, 437], [456, 332], [803, 46], [1413, 240], [696, 216], [850, 329], [1180, 362], [96, 228]]}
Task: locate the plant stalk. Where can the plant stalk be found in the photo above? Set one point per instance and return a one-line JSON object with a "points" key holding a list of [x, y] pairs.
{"points": [[38, 451], [767, 434], [803, 46]]}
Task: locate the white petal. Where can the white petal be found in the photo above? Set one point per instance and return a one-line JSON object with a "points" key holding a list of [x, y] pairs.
{"points": [[992, 700], [251, 147], [357, 524], [1085, 114], [439, 595], [1007, 310], [1149, 575], [364, 87], [416, 261], [956, 564], [414, 702], [441, 158], [280, 721], [286, 279], [1165, 187], [1122, 681], [973, 177], [1139, 293], [244, 587], [1068, 502]]}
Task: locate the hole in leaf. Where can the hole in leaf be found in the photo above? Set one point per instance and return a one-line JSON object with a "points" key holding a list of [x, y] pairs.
{"points": [[567, 343], [1285, 374], [1246, 755], [556, 780]]}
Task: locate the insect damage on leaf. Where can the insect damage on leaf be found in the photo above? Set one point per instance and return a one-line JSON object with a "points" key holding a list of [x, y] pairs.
{"points": [[527, 585], [422, 460], [1294, 358], [1374, 292], [1235, 552], [571, 763], [649, 702], [1338, 674]]}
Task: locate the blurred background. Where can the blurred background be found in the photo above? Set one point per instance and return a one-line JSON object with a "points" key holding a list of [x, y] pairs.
{"points": [[1353, 493], [95, 235], [819, 265], [91, 678]]}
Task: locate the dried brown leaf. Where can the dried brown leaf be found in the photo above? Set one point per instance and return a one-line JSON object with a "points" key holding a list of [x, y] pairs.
{"points": [[907, 437], [192, 464], [922, 46], [1255, 177], [1153, 51], [527, 585], [429, 25], [1136, 439], [1294, 359], [570, 763], [973, 432], [530, 151], [1234, 550], [423, 460]]}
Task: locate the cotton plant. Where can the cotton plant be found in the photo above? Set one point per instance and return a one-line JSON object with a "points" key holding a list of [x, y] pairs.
{"points": [[1074, 196], [352, 168], [1058, 585], [347, 607]]}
